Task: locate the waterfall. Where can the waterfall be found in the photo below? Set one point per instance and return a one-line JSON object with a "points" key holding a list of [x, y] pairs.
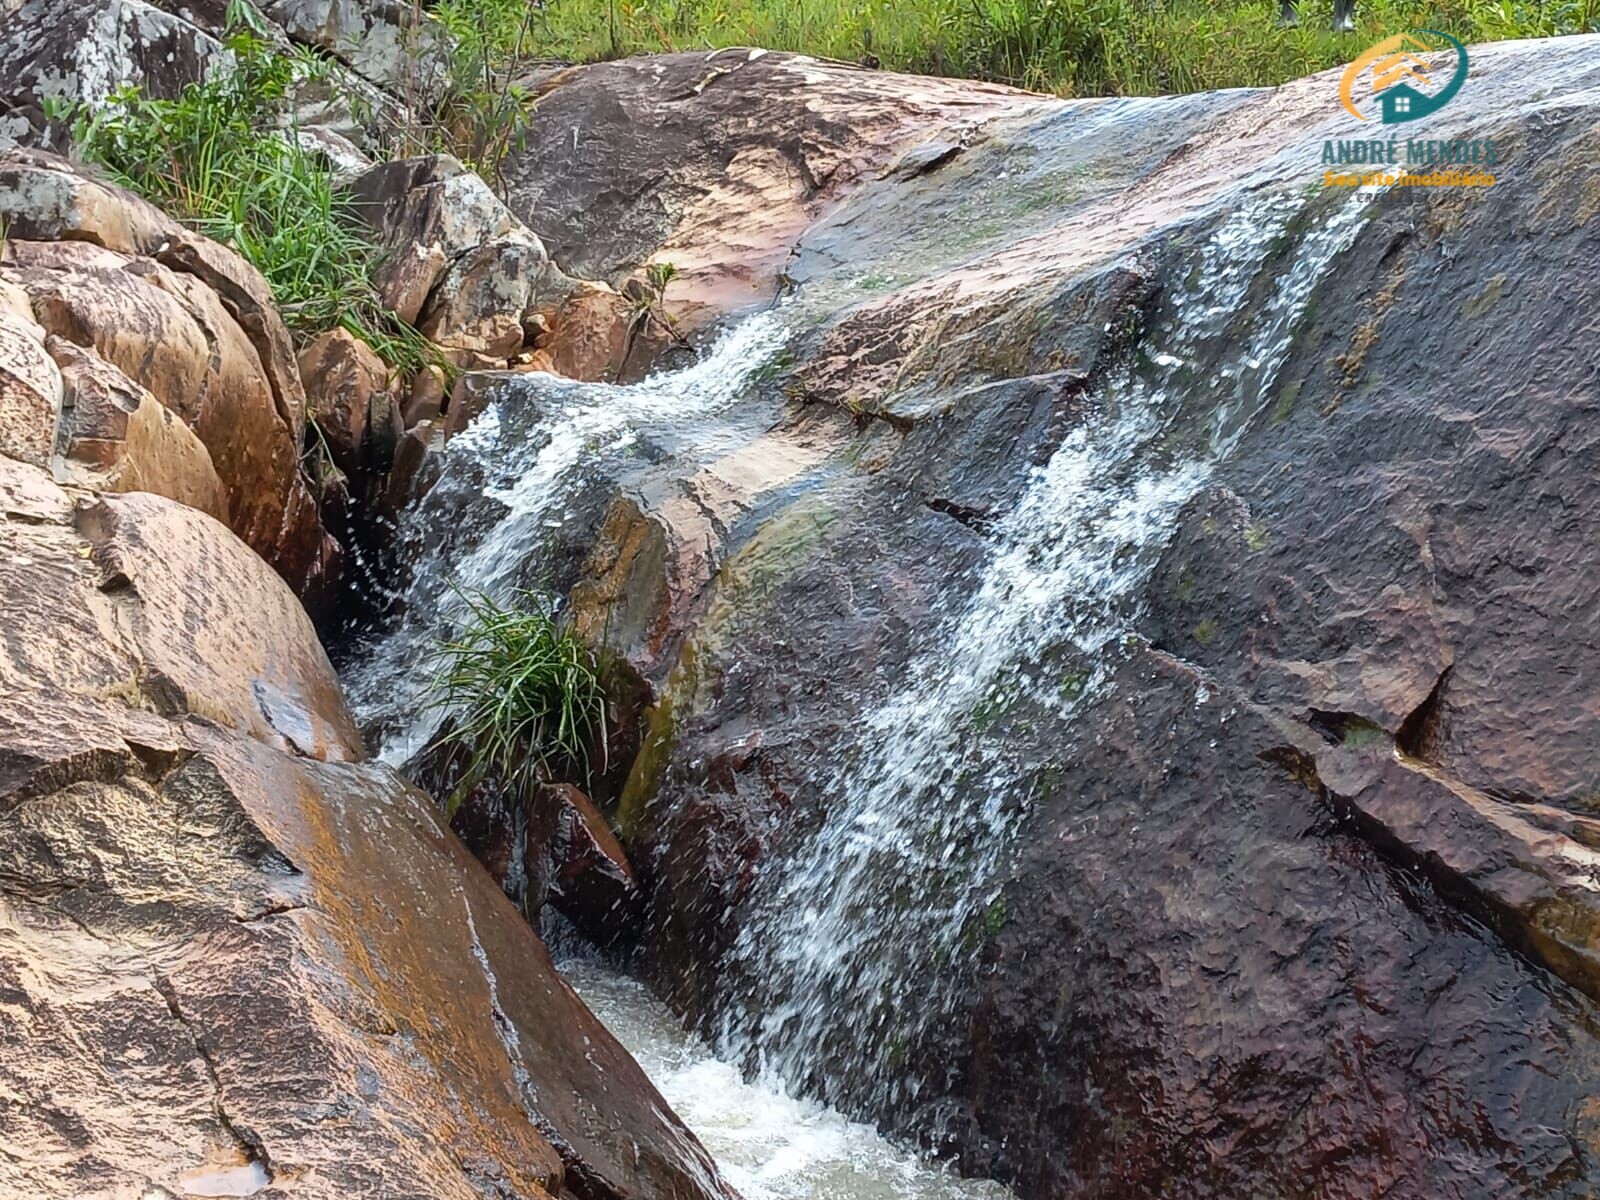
{"points": [[507, 483], [854, 943], [856, 937]]}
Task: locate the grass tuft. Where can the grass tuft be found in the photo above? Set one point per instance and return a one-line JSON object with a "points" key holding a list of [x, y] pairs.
{"points": [[524, 694], [225, 159]]}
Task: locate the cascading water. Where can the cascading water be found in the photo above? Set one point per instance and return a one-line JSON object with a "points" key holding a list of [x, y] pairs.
{"points": [[854, 941], [506, 484], [856, 936]]}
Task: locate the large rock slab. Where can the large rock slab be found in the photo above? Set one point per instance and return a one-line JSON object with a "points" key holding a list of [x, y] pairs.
{"points": [[1282, 815], [186, 321], [239, 962], [718, 162]]}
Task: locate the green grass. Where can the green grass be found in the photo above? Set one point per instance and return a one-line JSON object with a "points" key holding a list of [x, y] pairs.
{"points": [[1071, 47], [223, 158], [527, 702]]}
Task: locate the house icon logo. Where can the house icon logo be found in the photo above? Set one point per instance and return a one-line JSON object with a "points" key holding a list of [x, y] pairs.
{"points": [[1402, 81]]}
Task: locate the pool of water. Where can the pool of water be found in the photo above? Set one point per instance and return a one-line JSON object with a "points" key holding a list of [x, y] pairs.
{"points": [[769, 1145]]}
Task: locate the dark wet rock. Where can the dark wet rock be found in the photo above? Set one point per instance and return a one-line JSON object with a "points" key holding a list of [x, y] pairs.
{"points": [[1302, 890], [587, 876], [237, 962]]}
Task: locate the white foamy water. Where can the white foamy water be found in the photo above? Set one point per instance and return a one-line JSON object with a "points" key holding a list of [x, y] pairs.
{"points": [[506, 484], [769, 1145], [857, 936]]}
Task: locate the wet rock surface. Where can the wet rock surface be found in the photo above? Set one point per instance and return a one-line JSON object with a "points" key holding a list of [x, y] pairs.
{"points": [[1300, 889], [240, 962], [717, 162]]}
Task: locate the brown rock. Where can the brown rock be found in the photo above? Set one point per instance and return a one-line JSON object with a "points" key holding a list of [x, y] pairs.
{"points": [[30, 392], [461, 266], [341, 374], [718, 161], [407, 277], [184, 318], [426, 402], [213, 943], [572, 851], [589, 333], [115, 436], [480, 302]]}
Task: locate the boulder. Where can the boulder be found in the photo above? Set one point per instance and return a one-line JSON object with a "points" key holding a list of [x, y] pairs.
{"points": [[583, 868], [396, 45], [460, 265], [1263, 861], [590, 335], [62, 50], [716, 162], [114, 436], [341, 375], [30, 391], [240, 961], [186, 320]]}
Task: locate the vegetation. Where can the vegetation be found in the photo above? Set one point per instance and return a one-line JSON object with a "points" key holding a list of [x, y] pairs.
{"points": [[224, 158], [483, 113], [1072, 47], [526, 699]]}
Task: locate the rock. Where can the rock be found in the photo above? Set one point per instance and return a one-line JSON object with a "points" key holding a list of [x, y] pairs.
{"points": [[115, 436], [30, 392], [208, 890], [716, 162], [393, 44], [460, 266], [183, 318], [341, 375], [407, 277], [63, 50], [590, 335], [576, 856], [426, 402], [84, 52], [478, 308], [1294, 885]]}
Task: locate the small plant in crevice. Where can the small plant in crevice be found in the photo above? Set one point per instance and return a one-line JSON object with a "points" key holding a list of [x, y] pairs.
{"points": [[225, 159], [525, 698]]}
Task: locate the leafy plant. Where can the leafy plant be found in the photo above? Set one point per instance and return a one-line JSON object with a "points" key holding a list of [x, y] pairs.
{"points": [[526, 700], [226, 159], [482, 116]]}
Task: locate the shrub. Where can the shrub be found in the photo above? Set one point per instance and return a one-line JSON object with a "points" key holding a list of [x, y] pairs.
{"points": [[525, 700], [483, 113], [224, 158]]}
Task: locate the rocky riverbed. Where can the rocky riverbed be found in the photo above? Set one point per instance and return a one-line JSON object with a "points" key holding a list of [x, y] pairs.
{"points": [[1101, 626]]}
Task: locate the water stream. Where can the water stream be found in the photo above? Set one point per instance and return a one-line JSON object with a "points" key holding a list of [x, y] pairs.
{"points": [[855, 947], [769, 1145], [855, 940]]}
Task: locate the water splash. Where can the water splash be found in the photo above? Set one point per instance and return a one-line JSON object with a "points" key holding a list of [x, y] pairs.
{"points": [[508, 482], [768, 1144], [842, 957]]}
